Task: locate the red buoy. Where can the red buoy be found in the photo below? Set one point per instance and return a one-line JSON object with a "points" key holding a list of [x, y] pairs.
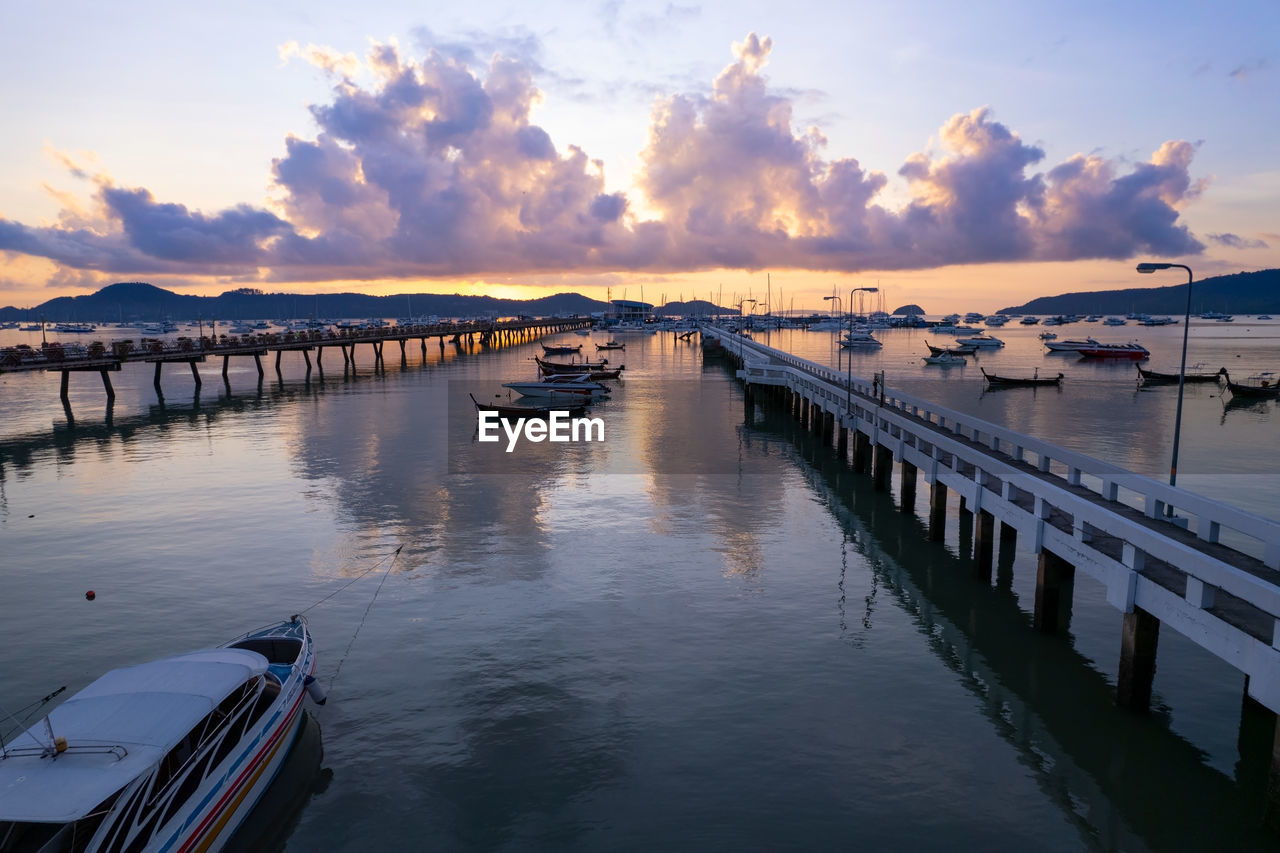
{"points": [[90, 595]]}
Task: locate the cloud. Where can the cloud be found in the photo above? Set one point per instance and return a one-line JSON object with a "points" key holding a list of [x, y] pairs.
{"points": [[1234, 241], [1247, 69], [431, 166]]}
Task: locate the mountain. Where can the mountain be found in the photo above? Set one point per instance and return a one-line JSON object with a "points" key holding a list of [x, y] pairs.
{"points": [[911, 310], [136, 300], [1240, 293]]}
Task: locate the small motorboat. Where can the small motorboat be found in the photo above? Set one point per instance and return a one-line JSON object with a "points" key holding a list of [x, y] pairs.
{"points": [[1131, 350], [1048, 336], [1266, 388], [945, 359], [981, 342], [167, 755], [563, 349], [961, 350], [1034, 381], [1151, 377], [516, 413], [612, 344], [593, 371], [860, 340], [563, 387]]}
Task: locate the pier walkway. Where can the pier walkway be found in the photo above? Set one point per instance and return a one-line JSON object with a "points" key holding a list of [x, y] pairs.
{"points": [[105, 358], [1166, 556]]}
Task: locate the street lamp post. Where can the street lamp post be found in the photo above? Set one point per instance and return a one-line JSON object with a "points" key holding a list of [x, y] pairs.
{"points": [[849, 380], [1147, 268], [741, 302], [839, 313]]}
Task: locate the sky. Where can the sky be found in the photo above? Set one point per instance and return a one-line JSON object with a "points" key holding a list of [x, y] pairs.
{"points": [[957, 156]]}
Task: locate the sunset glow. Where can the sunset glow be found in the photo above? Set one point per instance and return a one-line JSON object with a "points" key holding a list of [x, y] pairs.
{"points": [[524, 158]]}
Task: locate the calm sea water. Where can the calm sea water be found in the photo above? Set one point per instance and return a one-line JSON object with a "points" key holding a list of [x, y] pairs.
{"points": [[703, 633]]}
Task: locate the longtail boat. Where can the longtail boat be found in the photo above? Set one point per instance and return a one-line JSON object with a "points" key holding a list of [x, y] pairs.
{"points": [[594, 371], [967, 349], [1035, 381], [1266, 388], [561, 350], [515, 413], [1152, 377]]}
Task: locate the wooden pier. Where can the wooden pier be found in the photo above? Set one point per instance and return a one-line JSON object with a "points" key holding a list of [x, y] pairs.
{"points": [[105, 358], [1168, 558]]}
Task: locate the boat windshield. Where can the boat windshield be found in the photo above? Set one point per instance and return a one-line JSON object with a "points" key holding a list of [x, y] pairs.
{"points": [[18, 836]]}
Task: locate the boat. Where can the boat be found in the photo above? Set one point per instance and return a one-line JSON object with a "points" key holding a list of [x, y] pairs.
{"points": [[168, 755], [594, 372], [1114, 321], [1034, 381], [521, 412], [859, 340], [1266, 388], [571, 367], [1029, 320], [75, 328], [1152, 377], [560, 387], [1131, 350], [1070, 346], [961, 350], [981, 342], [1048, 336], [563, 349], [945, 359], [611, 344]]}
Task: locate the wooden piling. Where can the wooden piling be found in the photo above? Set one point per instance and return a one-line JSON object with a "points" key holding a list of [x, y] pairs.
{"points": [[66, 379], [883, 467], [937, 511], [106, 384], [156, 380], [195, 372], [1139, 638], [907, 500], [1055, 583], [257, 360], [984, 545]]}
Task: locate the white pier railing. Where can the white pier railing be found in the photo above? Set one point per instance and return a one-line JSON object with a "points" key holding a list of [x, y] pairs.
{"points": [[1212, 573]]}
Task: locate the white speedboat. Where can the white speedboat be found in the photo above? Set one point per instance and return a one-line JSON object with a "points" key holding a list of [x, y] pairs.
{"points": [[564, 387], [1070, 346], [944, 359], [170, 755], [860, 340], [980, 341]]}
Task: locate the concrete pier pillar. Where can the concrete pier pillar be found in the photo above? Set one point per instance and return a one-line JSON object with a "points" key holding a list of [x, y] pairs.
{"points": [[66, 380], [842, 442], [226, 361], [804, 411], [279, 353], [793, 399], [861, 452], [828, 427], [195, 372], [1139, 638], [984, 545], [1055, 583], [156, 380], [907, 500], [937, 511], [883, 468]]}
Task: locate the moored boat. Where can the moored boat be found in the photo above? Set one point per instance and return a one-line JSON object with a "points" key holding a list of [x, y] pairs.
{"points": [[593, 371], [958, 350], [510, 413], [1131, 350], [1066, 346], [564, 349], [612, 344], [168, 755], [994, 381], [944, 359], [1266, 388], [1153, 377], [981, 342], [860, 340], [561, 387]]}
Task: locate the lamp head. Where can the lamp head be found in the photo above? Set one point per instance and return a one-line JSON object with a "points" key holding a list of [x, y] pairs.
{"points": [[1148, 267], [829, 298]]}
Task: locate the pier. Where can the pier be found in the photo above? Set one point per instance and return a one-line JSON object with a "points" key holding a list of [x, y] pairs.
{"points": [[107, 358], [1168, 559]]}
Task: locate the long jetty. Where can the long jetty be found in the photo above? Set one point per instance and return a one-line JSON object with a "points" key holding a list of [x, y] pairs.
{"points": [[1166, 556], [106, 358]]}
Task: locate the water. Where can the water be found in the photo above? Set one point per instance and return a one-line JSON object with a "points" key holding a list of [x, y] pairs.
{"points": [[700, 634]]}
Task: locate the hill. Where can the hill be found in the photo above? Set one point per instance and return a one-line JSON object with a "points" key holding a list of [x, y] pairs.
{"points": [[136, 300], [1240, 293]]}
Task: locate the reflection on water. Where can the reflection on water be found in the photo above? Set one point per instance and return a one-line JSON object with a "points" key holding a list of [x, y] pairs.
{"points": [[273, 819], [703, 633]]}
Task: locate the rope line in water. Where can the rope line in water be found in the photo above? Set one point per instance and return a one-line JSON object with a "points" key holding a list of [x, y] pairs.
{"points": [[343, 659], [392, 556]]}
